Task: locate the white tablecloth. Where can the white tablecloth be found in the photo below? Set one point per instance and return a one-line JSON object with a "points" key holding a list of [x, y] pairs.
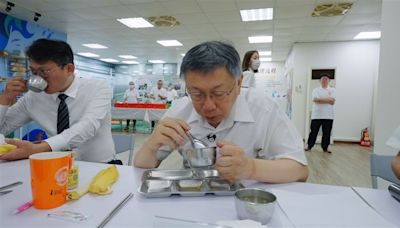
{"points": [[137, 113], [141, 211]]}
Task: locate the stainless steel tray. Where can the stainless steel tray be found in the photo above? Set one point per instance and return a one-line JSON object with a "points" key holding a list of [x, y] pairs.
{"points": [[185, 182]]}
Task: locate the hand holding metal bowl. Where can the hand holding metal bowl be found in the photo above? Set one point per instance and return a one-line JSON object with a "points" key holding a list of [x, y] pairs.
{"points": [[36, 83]]}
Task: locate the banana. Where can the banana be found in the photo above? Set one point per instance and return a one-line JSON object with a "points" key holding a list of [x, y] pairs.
{"points": [[100, 184], [5, 148]]}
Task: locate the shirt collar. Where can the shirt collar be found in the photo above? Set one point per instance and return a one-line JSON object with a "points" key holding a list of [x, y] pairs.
{"points": [[240, 113], [71, 91]]}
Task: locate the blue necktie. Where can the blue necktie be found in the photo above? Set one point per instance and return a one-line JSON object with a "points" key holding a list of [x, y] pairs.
{"points": [[63, 114]]}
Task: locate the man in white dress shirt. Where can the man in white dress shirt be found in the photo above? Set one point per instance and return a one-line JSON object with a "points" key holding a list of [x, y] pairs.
{"points": [[131, 96], [171, 94], [84, 122], [256, 140], [322, 114]]}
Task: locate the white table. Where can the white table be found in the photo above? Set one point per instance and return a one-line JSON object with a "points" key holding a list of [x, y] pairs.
{"points": [[146, 114], [141, 211]]}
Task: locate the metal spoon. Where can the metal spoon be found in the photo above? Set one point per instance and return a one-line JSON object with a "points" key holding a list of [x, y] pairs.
{"points": [[36, 84], [196, 143]]}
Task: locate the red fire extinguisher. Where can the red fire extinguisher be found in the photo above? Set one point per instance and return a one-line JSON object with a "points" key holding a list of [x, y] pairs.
{"points": [[365, 140]]}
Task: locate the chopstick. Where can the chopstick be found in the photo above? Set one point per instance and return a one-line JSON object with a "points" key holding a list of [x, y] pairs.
{"points": [[115, 210], [10, 185]]}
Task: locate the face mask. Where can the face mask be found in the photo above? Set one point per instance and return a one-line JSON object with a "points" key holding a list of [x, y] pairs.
{"points": [[131, 86], [255, 64]]}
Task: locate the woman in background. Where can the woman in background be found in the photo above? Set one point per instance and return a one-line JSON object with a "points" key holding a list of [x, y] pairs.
{"points": [[131, 96], [250, 65]]}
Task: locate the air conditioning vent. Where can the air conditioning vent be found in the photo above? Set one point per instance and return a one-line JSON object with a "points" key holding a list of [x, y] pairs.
{"points": [[331, 9], [164, 21]]}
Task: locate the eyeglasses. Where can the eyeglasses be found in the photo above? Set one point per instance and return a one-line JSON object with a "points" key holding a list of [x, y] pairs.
{"points": [[42, 72], [214, 95]]}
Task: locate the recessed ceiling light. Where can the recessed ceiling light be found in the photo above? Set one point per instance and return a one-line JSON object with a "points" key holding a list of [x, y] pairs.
{"points": [[264, 53], [88, 54], [257, 14], [95, 46], [368, 35], [127, 56], [156, 61], [260, 39], [130, 62], [109, 60], [135, 22], [169, 43], [265, 59]]}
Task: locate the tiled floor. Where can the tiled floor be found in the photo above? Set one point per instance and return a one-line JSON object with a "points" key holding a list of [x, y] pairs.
{"points": [[348, 165]]}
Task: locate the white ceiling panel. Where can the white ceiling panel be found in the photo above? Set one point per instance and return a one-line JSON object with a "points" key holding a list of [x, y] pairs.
{"points": [[201, 20]]}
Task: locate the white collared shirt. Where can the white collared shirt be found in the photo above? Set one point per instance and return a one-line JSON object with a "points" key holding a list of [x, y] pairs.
{"points": [[155, 92], [323, 111], [249, 79], [256, 124], [131, 96], [89, 105]]}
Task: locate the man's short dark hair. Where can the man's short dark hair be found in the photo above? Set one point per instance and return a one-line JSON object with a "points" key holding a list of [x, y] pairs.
{"points": [[43, 50], [211, 55]]}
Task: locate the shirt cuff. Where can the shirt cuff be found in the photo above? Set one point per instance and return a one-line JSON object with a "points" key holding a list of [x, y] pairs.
{"points": [[3, 109], [57, 142]]}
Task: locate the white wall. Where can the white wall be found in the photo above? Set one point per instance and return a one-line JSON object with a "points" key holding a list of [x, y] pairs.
{"points": [[387, 109], [356, 64]]}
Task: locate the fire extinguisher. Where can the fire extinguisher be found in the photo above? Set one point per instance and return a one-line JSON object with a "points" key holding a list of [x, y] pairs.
{"points": [[365, 140]]}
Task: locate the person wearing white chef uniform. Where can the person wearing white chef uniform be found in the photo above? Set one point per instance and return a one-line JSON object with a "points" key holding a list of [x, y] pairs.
{"points": [[250, 65], [255, 138], [131, 96]]}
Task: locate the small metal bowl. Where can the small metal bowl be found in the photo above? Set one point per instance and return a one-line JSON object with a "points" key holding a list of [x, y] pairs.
{"points": [[255, 204], [200, 157]]}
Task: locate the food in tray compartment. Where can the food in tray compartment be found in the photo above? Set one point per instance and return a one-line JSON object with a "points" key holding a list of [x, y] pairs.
{"points": [[170, 174], [158, 185], [190, 185], [220, 185]]}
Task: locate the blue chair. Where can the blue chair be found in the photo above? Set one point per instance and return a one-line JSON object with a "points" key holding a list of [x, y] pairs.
{"points": [[381, 166], [123, 143]]}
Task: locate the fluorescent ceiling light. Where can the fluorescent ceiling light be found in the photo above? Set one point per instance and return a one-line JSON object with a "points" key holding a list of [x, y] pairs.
{"points": [[127, 56], [264, 53], [260, 39], [265, 59], [182, 54], [94, 46], [88, 54], [130, 62], [169, 43], [156, 61], [109, 60], [368, 35], [135, 22], [257, 14]]}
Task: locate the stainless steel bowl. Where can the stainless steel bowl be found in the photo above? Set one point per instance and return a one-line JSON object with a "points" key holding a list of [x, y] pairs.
{"points": [[36, 83], [255, 204], [200, 157]]}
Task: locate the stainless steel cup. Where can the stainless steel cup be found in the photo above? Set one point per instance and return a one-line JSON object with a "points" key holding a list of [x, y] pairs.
{"points": [[200, 157], [255, 204]]}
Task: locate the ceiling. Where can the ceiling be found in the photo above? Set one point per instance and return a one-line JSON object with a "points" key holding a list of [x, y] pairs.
{"points": [[94, 21]]}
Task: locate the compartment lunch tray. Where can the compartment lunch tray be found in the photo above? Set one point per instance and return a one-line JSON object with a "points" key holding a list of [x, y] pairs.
{"points": [[185, 182]]}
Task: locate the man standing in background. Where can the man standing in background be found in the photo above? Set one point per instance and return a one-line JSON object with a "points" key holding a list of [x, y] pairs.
{"points": [[131, 96], [159, 96], [171, 94], [322, 114]]}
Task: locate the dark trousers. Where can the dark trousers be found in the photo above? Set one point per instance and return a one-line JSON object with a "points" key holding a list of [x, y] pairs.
{"points": [[326, 132], [128, 121], [115, 162]]}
